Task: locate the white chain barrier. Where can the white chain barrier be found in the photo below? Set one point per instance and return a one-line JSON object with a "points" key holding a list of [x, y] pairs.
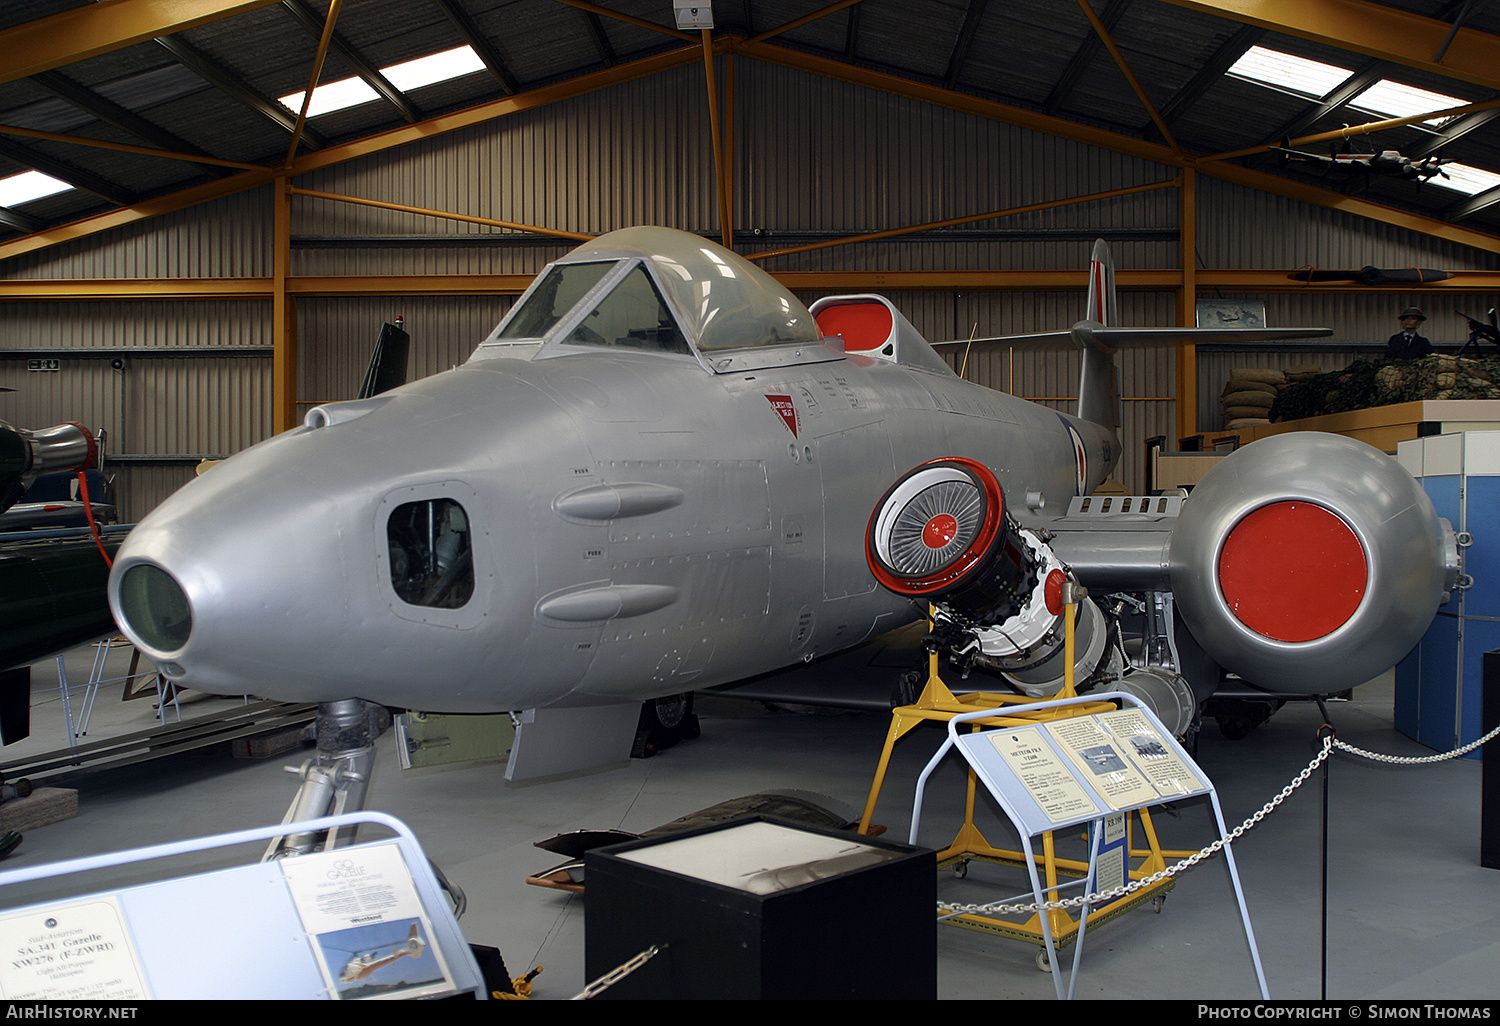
{"points": [[1115, 893], [617, 974]]}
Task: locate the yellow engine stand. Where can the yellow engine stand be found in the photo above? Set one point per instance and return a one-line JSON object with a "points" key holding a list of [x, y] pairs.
{"points": [[938, 703]]}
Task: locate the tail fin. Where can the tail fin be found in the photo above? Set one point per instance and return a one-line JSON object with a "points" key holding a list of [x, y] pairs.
{"points": [[1102, 306], [1100, 337], [1099, 381], [388, 362]]}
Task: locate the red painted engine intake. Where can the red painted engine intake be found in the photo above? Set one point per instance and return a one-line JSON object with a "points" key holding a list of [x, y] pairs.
{"points": [[941, 531]]}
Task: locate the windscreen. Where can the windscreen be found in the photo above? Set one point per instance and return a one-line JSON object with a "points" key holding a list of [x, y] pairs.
{"points": [[632, 315], [558, 292]]}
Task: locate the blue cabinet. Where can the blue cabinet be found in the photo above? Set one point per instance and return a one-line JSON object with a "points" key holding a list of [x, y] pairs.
{"points": [[1438, 696]]}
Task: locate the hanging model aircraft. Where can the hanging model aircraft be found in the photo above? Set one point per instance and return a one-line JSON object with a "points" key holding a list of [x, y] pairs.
{"points": [[1370, 275], [662, 472], [1383, 164]]}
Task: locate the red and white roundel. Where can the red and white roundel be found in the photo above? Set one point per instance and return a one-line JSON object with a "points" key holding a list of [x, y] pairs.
{"points": [[934, 526], [1080, 457]]}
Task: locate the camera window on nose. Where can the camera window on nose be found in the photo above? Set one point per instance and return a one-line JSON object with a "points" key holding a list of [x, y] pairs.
{"points": [[432, 559], [155, 607]]}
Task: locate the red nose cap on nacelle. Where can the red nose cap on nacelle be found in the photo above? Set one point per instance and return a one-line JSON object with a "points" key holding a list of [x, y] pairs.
{"points": [[1293, 571], [1308, 562]]}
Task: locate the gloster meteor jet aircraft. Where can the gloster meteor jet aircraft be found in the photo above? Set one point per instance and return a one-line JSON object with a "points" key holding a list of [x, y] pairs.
{"points": [[663, 472]]}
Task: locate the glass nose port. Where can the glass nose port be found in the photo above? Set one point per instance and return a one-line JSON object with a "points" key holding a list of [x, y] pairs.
{"points": [[154, 605]]}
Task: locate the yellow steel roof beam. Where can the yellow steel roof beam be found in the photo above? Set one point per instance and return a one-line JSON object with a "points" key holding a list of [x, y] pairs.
{"points": [[503, 107], [953, 222], [629, 19], [333, 155], [1140, 91], [838, 5], [146, 151], [1115, 142], [427, 212], [1207, 282], [1350, 131], [104, 27]]}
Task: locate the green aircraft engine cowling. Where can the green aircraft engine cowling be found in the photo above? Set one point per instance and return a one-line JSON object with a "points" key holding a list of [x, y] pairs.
{"points": [[52, 596]]}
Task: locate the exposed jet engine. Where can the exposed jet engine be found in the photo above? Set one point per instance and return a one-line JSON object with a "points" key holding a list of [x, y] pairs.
{"points": [[942, 534], [1306, 564]]}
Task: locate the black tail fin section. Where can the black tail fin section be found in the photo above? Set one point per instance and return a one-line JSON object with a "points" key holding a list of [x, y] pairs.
{"points": [[388, 364]]}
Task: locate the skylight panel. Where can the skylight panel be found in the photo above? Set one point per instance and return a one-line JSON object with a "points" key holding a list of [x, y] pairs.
{"points": [[332, 96], [408, 75], [1465, 179], [437, 67], [1285, 71], [1396, 100], [28, 186]]}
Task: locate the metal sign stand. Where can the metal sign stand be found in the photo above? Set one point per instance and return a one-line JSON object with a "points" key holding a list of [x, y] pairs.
{"points": [[360, 921], [1082, 770]]}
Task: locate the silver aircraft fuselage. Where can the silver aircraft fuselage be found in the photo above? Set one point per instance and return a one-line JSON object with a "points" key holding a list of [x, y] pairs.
{"points": [[662, 472], [640, 521]]}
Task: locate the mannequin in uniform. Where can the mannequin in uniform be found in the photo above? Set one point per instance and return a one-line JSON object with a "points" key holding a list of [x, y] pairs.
{"points": [[1407, 344]]}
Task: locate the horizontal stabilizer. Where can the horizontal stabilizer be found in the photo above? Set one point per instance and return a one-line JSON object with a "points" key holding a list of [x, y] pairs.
{"points": [[1096, 336], [1093, 336]]}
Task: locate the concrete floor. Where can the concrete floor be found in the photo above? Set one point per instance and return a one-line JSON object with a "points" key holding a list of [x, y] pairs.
{"points": [[1411, 914]]}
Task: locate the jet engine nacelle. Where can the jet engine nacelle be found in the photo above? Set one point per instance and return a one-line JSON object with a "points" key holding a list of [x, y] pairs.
{"points": [[1309, 562]]}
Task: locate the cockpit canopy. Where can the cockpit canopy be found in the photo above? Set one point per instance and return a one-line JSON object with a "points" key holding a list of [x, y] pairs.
{"points": [[657, 289]]}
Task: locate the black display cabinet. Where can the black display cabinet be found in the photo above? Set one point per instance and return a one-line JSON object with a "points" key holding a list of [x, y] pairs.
{"points": [[764, 908]]}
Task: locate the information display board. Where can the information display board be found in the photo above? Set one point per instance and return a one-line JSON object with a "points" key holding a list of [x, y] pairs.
{"points": [[1066, 772], [1092, 769], [364, 921]]}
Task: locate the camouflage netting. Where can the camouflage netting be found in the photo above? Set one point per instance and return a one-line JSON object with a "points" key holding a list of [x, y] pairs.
{"points": [[1367, 383]]}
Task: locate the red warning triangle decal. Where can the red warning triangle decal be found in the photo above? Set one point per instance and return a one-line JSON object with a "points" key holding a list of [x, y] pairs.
{"points": [[782, 404]]}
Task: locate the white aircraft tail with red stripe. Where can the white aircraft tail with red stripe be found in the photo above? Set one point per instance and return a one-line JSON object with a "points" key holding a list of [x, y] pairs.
{"points": [[1100, 335], [1102, 306]]}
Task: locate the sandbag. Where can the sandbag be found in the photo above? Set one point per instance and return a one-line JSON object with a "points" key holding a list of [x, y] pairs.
{"points": [[1262, 399], [1269, 375], [1234, 385]]}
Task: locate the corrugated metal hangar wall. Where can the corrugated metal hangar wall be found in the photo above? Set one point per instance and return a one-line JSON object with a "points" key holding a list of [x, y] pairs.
{"points": [[810, 156]]}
